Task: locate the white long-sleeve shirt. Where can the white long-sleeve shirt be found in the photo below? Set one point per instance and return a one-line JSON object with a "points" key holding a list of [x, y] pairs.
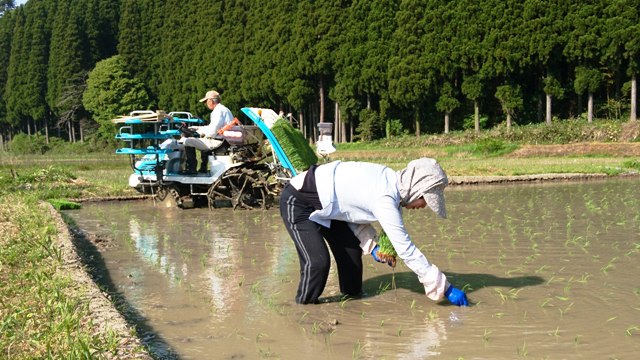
{"points": [[363, 193], [220, 116]]}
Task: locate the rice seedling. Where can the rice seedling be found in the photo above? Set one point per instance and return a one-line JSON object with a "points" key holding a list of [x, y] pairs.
{"points": [[522, 351], [343, 301], [564, 311], [605, 269], [383, 287], [632, 330], [266, 353], [356, 353], [512, 294], [541, 269], [304, 316], [386, 253], [203, 260], [477, 262], [486, 337]]}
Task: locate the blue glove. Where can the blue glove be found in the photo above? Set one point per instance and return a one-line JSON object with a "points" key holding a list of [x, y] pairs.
{"points": [[374, 255], [456, 296]]}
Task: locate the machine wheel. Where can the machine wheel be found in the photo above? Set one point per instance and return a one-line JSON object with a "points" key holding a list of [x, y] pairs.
{"points": [[170, 196], [244, 187]]}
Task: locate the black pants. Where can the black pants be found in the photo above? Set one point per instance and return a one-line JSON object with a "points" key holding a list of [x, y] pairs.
{"points": [[192, 161], [309, 238]]}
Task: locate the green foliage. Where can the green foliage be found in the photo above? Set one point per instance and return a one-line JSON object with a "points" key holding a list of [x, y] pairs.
{"points": [[472, 87], [45, 175], [25, 144], [587, 80], [447, 102], [111, 91], [294, 145], [510, 97], [469, 122], [492, 147], [387, 55], [371, 125], [552, 87], [393, 127], [561, 132]]}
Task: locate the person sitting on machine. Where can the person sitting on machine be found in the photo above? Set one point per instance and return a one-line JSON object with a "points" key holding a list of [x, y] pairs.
{"points": [[206, 137]]}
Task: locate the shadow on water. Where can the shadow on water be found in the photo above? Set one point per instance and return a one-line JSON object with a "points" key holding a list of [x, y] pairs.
{"points": [[470, 282], [94, 263]]}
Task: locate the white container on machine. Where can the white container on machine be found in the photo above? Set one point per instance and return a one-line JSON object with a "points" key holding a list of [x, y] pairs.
{"points": [[243, 135], [324, 145]]}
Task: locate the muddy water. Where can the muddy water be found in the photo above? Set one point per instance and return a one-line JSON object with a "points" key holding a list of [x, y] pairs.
{"points": [[552, 271]]}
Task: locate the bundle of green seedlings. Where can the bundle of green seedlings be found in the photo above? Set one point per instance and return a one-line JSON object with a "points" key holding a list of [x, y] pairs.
{"points": [[63, 204], [386, 253], [292, 141]]}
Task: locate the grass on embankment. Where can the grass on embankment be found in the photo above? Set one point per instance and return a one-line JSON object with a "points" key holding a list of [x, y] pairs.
{"points": [[465, 161], [43, 312]]}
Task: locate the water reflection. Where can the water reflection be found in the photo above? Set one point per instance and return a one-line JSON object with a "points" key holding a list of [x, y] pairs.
{"points": [[152, 251], [540, 263]]}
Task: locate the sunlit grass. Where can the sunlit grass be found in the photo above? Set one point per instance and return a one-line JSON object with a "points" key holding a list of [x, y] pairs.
{"points": [[43, 314]]}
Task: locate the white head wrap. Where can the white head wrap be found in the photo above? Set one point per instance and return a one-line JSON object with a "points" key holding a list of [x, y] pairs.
{"points": [[424, 178]]}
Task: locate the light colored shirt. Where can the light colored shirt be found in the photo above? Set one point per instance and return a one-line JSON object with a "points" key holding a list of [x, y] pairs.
{"points": [[363, 193], [220, 116]]}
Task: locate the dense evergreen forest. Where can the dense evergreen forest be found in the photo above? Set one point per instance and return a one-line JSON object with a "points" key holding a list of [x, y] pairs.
{"points": [[373, 68]]}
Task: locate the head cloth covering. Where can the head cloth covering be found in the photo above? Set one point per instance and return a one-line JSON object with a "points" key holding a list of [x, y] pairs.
{"points": [[424, 178]]}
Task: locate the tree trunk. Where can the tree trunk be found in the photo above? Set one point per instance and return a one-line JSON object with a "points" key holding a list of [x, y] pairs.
{"points": [[300, 122], [350, 130], [343, 132], [508, 119], [548, 117], [590, 108], [46, 130], [446, 122], [476, 116], [336, 122], [321, 89], [632, 116], [417, 121]]}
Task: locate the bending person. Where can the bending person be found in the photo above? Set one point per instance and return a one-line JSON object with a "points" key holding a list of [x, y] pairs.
{"points": [[338, 201], [220, 116]]}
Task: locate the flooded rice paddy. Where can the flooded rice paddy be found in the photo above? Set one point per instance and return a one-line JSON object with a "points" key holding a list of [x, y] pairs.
{"points": [[552, 271]]}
